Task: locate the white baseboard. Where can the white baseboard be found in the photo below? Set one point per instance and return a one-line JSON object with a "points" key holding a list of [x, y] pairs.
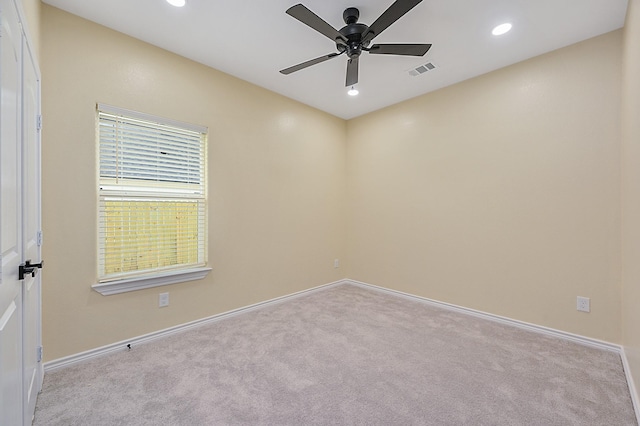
{"points": [[600, 344], [122, 345], [583, 340], [632, 386]]}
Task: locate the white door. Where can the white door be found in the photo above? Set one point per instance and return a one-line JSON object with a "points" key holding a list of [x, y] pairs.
{"points": [[11, 407], [32, 351], [20, 368]]}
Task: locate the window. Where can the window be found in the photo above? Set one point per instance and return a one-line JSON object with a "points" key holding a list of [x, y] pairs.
{"points": [[151, 200]]}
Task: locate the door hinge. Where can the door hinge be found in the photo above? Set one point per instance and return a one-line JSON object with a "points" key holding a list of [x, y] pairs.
{"points": [[39, 354], [39, 122], [39, 238]]}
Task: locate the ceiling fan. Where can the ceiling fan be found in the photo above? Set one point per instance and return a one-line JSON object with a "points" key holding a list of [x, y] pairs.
{"points": [[355, 37]]}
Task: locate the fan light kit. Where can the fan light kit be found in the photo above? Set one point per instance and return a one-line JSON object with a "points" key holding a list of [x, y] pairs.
{"points": [[177, 3], [501, 29], [355, 37], [353, 91]]}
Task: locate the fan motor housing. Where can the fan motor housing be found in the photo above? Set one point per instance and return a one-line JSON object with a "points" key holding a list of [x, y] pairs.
{"points": [[353, 33]]}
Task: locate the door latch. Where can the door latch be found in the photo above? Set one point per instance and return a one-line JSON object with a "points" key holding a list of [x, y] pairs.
{"points": [[29, 268]]}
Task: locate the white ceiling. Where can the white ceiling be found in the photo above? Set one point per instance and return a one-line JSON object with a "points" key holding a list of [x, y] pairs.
{"points": [[254, 39]]}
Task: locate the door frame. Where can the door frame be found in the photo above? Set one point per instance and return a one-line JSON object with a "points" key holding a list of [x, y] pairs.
{"points": [[32, 380]]}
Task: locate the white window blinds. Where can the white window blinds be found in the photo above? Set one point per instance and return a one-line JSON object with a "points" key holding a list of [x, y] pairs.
{"points": [[152, 197]]}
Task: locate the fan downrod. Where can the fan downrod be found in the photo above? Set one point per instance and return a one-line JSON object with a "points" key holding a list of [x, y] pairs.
{"points": [[351, 15]]}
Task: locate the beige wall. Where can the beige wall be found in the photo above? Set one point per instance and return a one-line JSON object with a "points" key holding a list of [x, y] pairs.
{"points": [[501, 193], [276, 185], [631, 190]]}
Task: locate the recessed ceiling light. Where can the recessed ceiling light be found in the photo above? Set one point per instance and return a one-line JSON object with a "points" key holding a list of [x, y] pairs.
{"points": [[501, 29], [353, 91], [176, 3]]}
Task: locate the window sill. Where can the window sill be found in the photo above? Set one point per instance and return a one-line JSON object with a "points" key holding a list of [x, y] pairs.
{"points": [[139, 283]]}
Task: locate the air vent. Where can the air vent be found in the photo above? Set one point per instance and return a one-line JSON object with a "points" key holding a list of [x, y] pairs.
{"points": [[421, 69]]}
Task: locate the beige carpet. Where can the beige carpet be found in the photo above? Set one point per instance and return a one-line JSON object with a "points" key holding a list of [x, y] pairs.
{"points": [[344, 356]]}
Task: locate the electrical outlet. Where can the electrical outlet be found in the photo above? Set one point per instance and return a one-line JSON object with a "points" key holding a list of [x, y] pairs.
{"points": [[163, 300], [336, 263], [584, 304]]}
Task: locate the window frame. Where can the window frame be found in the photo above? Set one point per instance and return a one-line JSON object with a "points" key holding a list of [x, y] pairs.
{"points": [[160, 276]]}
